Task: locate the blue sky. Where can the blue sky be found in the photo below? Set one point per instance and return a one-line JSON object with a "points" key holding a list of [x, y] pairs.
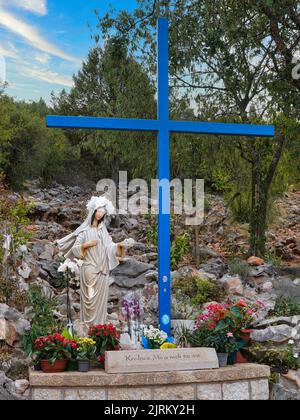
{"points": [[43, 42]]}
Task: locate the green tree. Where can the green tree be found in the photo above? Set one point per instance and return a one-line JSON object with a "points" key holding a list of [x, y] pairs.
{"points": [[223, 55], [111, 84]]}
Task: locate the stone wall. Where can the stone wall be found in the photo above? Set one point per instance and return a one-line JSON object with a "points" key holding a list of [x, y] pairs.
{"points": [[238, 382]]}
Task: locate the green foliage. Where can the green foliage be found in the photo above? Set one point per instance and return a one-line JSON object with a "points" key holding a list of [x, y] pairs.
{"points": [[279, 359], [27, 148], [183, 306], [180, 245], [274, 378], [43, 320], [240, 267], [235, 46], [179, 248], [198, 337], [182, 335], [111, 83], [152, 234], [199, 290], [220, 180], [286, 306], [13, 222], [271, 257], [223, 343]]}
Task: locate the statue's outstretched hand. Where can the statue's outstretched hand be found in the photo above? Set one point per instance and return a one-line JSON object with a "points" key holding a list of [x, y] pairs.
{"points": [[128, 243]]}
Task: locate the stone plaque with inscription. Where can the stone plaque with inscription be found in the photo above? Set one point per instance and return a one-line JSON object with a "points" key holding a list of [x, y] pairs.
{"points": [[132, 361]]}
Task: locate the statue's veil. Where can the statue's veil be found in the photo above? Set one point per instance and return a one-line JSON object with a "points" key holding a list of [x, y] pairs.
{"points": [[66, 243]]}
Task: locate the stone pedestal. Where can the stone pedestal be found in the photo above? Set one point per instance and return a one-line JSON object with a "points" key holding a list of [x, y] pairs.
{"points": [[238, 382]]}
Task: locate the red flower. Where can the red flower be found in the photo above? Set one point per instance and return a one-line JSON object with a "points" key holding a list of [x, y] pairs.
{"points": [[101, 359], [241, 302]]}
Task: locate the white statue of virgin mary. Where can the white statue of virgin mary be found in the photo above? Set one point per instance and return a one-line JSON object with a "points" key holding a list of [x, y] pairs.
{"points": [[92, 243]]}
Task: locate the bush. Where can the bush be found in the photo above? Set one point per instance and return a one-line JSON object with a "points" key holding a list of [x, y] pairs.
{"points": [[13, 222], [286, 306], [240, 267], [179, 248], [279, 359], [43, 320], [199, 290]]}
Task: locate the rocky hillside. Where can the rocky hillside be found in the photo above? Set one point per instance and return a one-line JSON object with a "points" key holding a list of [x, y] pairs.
{"points": [[221, 251]]}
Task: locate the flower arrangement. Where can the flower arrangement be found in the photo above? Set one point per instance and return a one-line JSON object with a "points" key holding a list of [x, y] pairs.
{"points": [[86, 349], [229, 317], [132, 311], [53, 347], [106, 337], [222, 342], [71, 271], [154, 338]]}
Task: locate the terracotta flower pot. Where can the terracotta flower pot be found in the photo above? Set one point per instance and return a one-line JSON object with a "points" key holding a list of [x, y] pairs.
{"points": [[58, 366], [245, 335], [240, 358]]}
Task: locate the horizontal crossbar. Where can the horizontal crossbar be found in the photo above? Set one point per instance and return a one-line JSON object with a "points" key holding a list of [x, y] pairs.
{"points": [[97, 123], [222, 128]]}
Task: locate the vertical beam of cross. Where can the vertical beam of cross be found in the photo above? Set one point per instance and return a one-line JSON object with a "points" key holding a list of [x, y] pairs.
{"points": [[164, 281]]}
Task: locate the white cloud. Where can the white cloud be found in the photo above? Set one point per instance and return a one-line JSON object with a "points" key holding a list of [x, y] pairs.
{"points": [[36, 6], [9, 53], [42, 58], [31, 35], [48, 76]]}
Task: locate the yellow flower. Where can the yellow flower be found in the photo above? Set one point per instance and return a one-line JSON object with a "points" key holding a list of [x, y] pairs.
{"points": [[88, 341], [168, 346]]}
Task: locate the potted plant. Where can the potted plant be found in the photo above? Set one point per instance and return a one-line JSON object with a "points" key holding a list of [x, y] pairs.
{"points": [[132, 312], [106, 337], [154, 338], [72, 365], [85, 353], [224, 344], [53, 351], [232, 317]]}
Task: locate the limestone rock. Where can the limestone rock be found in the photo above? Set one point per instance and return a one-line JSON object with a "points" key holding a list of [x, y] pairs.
{"points": [[131, 268], [293, 321], [276, 334], [205, 251], [7, 388], [21, 385], [297, 282], [131, 273], [24, 270], [284, 286], [215, 266], [12, 326], [48, 252], [294, 375], [284, 390], [232, 285]]}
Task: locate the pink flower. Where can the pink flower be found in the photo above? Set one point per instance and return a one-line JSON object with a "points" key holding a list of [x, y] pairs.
{"points": [[229, 334]]}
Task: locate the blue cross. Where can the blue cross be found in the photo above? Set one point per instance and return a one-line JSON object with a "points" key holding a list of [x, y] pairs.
{"points": [[163, 126]]}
